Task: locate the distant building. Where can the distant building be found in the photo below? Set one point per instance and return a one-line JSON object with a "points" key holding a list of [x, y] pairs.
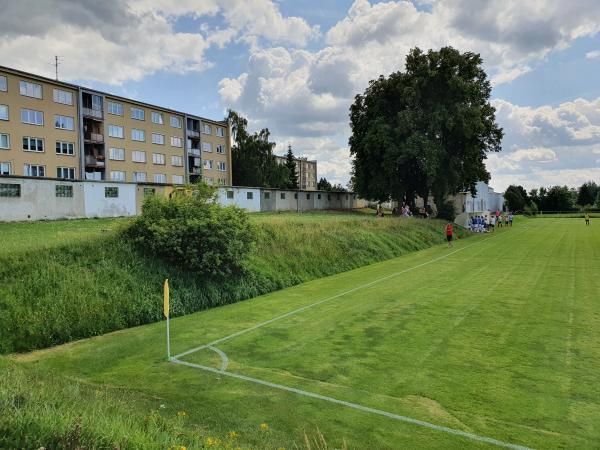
{"points": [[306, 171], [484, 200]]}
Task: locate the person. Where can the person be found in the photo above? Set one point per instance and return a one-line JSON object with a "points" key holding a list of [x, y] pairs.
{"points": [[505, 220], [449, 232], [587, 218], [492, 223], [510, 218], [500, 221]]}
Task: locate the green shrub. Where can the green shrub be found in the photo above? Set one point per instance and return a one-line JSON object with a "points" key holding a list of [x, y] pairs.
{"points": [[195, 232], [531, 209], [446, 211]]}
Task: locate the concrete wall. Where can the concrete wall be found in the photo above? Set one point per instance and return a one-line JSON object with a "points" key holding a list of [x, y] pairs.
{"points": [[38, 201], [240, 197], [98, 205]]}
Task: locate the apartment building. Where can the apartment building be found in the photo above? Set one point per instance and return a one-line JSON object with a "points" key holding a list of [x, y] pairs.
{"points": [[60, 130], [306, 170]]}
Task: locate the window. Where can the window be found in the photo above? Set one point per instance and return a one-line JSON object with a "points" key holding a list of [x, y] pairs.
{"points": [[296, 196], [65, 148], [176, 161], [229, 194], [137, 113], [282, 196], [111, 192], [175, 122], [64, 97], [160, 178], [4, 140], [220, 132], [207, 163], [221, 149], [267, 195], [206, 147], [157, 118], [3, 112], [138, 156], [221, 166], [158, 138], [318, 196], [63, 122], [32, 117], [176, 142], [65, 172], [117, 175], [118, 154], [33, 144], [10, 190], [3, 84], [32, 170], [139, 177], [222, 181], [115, 108], [307, 196], [138, 135], [206, 129], [177, 179], [249, 195], [29, 89], [158, 158], [149, 192], [116, 131], [62, 190], [5, 168]]}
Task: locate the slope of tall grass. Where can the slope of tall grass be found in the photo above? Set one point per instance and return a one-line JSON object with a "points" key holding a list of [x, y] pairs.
{"points": [[62, 281]]}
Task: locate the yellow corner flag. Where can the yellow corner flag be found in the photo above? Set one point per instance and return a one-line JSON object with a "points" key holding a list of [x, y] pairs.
{"points": [[166, 303]]}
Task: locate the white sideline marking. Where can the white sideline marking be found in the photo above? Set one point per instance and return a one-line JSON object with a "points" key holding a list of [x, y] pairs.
{"points": [[303, 308], [421, 423], [223, 355]]}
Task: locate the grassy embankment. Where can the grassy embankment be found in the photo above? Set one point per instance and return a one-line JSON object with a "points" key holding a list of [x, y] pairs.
{"points": [[67, 280]]}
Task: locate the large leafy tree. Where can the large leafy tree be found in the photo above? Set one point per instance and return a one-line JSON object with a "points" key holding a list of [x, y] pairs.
{"points": [[253, 162], [516, 198], [587, 193], [425, 130]]}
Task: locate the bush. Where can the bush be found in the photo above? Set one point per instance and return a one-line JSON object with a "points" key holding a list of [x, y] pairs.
{"points": [[531, 209], [446, 210], [194, 232]]}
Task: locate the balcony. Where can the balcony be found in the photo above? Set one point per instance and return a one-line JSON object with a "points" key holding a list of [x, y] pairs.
{"points": [[93, 113], [194, 151], [193, 133], [94, 137], [195, 170], [97, 162]]}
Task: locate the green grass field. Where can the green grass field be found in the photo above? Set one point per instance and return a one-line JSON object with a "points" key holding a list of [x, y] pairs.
{"points": [[498, 337]]}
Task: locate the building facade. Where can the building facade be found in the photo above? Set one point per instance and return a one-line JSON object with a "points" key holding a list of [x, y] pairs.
{"points": [[306, 171], [54, 129]]}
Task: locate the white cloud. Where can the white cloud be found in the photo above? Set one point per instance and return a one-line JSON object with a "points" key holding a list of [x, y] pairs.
{"points": [[116, 41], [539, 154], [593, 55]]}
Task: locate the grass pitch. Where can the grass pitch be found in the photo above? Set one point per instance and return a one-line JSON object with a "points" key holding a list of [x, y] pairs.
{"points": [[500, 339]]}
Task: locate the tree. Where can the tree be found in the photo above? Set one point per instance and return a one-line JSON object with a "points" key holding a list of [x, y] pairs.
{"points": [[290, 164], [253, 162], [323, 185], [516, 198], [587, 193], [425, 130], [338, 188], [557, 198]]}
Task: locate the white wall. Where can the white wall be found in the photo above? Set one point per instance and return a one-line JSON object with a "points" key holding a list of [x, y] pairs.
{"points": [[240, 198], [38, 201], [98, 205]]}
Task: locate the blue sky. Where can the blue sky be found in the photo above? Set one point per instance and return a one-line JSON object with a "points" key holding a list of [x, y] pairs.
{"points": [[295, 66]]}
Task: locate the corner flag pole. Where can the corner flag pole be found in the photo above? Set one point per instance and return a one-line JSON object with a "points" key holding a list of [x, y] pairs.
{"points": [[166, 313]]}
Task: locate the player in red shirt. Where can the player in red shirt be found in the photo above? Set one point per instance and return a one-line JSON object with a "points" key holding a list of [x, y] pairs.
{"points": [[449, 232]]}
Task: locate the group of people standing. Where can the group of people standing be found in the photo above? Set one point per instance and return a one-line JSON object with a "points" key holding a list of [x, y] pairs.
{"points": [[487, 223]]}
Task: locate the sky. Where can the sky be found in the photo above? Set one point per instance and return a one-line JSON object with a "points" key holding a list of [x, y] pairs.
{"points": [[294, 66]]}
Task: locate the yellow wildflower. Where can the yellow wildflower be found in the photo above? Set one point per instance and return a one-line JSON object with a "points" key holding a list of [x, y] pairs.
{"points": [[181, 414], [233, 434], [264, 426]]}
